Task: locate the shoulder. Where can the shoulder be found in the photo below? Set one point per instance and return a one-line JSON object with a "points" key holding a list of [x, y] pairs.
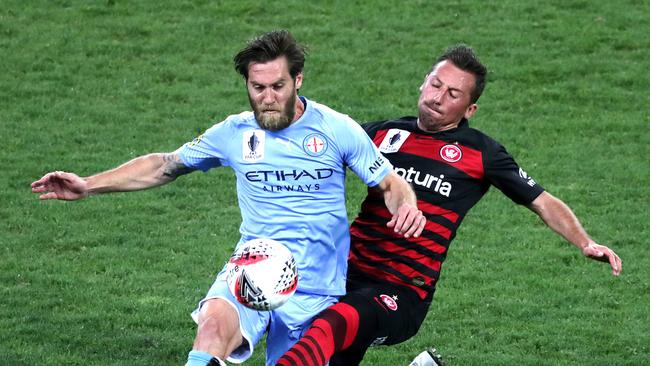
{"points": [[476, 138], [492, 151], [242, 119], [233, 122], [340, 127], [408, 123], [326, 114]]}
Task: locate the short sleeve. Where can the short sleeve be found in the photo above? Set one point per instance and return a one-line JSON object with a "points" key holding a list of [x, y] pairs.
{"points": [[361, 154], [504, 173], [209, 149]]}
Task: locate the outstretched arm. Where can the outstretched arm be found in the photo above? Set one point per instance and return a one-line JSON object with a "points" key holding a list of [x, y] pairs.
{"points": [[401, 201], [559, 217], [140, 173]]}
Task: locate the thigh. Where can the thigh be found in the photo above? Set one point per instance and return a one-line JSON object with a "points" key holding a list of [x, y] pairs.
{"points": [[252, 324], [291, 320], [388, 315]]}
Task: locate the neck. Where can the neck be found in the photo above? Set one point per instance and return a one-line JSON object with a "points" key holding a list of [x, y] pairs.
{"points": [[300, 109], [434, 129]]}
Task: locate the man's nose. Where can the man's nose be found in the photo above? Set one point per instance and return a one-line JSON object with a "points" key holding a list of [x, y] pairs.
{"points": [[268, 97], [438, 94]]}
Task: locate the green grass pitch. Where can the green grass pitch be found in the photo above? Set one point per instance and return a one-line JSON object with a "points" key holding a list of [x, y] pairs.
{"points": [[86, 85]]}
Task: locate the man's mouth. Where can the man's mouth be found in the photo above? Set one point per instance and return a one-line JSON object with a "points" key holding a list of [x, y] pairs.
{"points": [[434, 109]]}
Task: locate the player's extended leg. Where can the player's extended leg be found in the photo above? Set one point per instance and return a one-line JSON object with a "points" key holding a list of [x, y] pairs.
{"points": [[334, 330], [370, 314], [391, 315], [373, 325], [218, 333], [290, 322]]}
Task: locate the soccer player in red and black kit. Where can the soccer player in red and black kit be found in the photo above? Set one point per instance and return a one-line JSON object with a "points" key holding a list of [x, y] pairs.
{"points": [[392, 279]]}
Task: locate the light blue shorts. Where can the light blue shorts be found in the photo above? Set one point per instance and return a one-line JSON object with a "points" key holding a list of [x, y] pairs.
{"points": [[285, 324]]}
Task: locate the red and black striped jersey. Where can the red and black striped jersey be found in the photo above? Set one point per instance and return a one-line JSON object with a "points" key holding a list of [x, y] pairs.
{"points": [[450, 172]]}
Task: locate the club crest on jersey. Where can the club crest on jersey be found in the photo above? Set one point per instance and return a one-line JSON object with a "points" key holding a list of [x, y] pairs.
{"points": [[451, 153], [253, 145], [393, 140], [314, 144], [389, 301]]}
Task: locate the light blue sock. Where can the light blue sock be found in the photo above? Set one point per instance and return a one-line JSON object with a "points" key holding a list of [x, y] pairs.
{"points": [[198, 358]]}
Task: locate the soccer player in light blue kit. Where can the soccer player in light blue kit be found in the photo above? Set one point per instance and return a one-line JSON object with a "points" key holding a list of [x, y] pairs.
{"points": [[290, 157]]}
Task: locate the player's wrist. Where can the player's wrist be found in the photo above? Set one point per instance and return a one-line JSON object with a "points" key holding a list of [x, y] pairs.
{"points": [[90, 187], [589, 248]]}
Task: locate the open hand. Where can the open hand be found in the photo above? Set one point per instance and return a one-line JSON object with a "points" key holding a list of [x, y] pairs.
{"points": [[604, 254], [61, 186]]}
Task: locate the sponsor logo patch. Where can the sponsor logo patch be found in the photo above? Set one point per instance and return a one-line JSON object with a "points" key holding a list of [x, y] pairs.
{"points": [[529, 180], [376, 164], [283, 142], [418, 281], [393, 140], [315, 144], [253, 145], [196, 141], [436, 183], [451, 153]]}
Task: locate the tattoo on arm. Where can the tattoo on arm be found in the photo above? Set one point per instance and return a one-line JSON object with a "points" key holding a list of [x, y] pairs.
{"points": [[173, 167]]}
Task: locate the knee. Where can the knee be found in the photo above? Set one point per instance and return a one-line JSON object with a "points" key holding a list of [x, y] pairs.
{"points": [[215, 326], [218, 326], [218, 317], [343, 320]]}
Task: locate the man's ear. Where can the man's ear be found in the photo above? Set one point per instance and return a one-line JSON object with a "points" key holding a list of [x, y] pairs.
{"points": [[469, 112], [298, 80], [426, 77]]}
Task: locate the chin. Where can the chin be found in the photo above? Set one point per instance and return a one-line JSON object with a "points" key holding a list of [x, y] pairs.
{"points": [[275, 123]]}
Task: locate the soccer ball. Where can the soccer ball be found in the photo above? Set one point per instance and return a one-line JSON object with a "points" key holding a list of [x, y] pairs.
{"points": [[262, 274]]}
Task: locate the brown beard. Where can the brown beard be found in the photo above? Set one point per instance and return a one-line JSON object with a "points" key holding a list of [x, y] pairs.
{"points": [[275, 122]]}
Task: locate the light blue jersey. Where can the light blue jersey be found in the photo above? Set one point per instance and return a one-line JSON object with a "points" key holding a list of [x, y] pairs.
{"points": [[291, 184]]}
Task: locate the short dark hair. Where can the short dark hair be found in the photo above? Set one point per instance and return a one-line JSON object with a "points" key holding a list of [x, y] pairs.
{"points": [[463, 57], [269, 46]]}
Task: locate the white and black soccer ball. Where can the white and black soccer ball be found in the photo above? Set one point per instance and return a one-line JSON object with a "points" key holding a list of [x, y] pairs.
{"points": [[262, 274]]}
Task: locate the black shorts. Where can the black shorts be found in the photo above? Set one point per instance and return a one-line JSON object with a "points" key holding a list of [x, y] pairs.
{"points": [[388, 314]]}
